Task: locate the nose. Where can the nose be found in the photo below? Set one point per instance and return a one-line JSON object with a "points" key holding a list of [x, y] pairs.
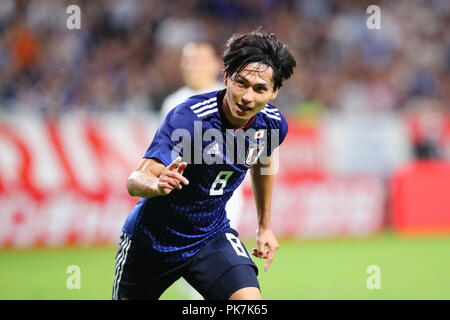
{"points": [[247, 97]]}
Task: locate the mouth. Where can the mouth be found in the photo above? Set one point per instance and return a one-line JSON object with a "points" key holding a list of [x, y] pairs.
{"points": [[242, 108]]}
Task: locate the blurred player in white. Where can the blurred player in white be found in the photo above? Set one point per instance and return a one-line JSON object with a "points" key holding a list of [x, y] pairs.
{"points": [[200, 68]]}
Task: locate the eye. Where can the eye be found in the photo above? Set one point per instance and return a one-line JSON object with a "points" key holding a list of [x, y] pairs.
{"points": [[240, 82], [260, 89]]}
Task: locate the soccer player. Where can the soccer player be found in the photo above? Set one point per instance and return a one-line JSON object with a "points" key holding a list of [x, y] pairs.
{"points": [[180, 228], [200, 68]]}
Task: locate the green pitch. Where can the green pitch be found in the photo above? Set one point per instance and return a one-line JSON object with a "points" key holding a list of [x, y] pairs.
{"points": [[410, 268]]}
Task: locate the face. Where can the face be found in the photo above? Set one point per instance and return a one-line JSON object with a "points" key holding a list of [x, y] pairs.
{"points": [[247, 93], [199, 65]]}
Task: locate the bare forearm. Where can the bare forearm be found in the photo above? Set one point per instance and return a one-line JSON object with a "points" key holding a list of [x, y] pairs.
{"points": [[143, 184], [153, 179], [262, 190]]}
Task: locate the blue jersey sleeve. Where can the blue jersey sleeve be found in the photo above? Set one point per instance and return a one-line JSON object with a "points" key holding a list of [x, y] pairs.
{"points": [[277, 137], [283, 128], [172, 136]]}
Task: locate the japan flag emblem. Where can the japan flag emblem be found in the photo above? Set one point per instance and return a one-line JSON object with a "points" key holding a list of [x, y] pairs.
{"points": [[254, 152], [259, 134]]}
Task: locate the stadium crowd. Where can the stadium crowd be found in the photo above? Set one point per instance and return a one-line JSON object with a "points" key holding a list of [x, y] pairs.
{"points": [[125, 56]]}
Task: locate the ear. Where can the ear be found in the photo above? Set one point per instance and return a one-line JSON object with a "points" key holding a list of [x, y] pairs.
{"points": [[225, 79], [274, 94]]}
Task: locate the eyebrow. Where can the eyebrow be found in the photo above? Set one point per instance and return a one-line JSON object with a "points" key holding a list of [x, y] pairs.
{"points": [[264, 84]]}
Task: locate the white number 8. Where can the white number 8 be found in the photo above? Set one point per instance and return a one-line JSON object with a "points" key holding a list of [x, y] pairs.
{"points": [[221, 179], [237, 245]]}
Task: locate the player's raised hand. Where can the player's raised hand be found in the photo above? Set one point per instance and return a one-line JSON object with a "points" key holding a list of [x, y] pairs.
{"points": [[172, 177], [265, 238]]}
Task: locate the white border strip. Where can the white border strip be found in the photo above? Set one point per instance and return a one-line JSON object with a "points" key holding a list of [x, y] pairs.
{"points": [[273, 111], [207, 112], [270, 115], [121, 258], [203, 103], [209, 106]]}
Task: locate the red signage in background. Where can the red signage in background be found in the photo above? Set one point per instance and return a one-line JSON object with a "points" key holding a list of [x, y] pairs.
{"points": [[63, 181], [302, 155], [421, 197], [420, 190], [311, 202], [334, 206]]}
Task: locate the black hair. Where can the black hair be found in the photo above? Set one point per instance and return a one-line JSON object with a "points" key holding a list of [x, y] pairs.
{"points": [[261, 47]]}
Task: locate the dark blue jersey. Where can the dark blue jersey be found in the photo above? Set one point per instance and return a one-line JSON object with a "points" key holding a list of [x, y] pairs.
{"points": [[176, 226]]}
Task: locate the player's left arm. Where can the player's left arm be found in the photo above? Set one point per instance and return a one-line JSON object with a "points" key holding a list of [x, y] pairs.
{"points": [[262, 177]]}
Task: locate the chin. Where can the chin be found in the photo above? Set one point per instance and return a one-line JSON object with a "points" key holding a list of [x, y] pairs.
{"points": [[242, 118]]}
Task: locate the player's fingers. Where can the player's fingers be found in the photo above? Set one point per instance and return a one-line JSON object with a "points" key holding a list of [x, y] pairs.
{"points": [[260, 249], [181, 167], [175, 184], [270, 256], [174, 164], [177, 176], [256, 253], [165, 184], [165, 187]]}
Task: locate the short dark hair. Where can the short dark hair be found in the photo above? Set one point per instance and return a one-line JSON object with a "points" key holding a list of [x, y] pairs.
{"points": [[262, 47]]}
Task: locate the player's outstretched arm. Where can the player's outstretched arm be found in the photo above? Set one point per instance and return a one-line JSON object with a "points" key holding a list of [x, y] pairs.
{"points": [[262, 184], [152, 178]]}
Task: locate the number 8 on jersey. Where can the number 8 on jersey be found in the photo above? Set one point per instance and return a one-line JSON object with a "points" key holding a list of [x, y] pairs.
{"points": [[221, 180]]}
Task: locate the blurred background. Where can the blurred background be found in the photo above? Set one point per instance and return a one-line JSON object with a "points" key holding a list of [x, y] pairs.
{"points": [[364, 174]]}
